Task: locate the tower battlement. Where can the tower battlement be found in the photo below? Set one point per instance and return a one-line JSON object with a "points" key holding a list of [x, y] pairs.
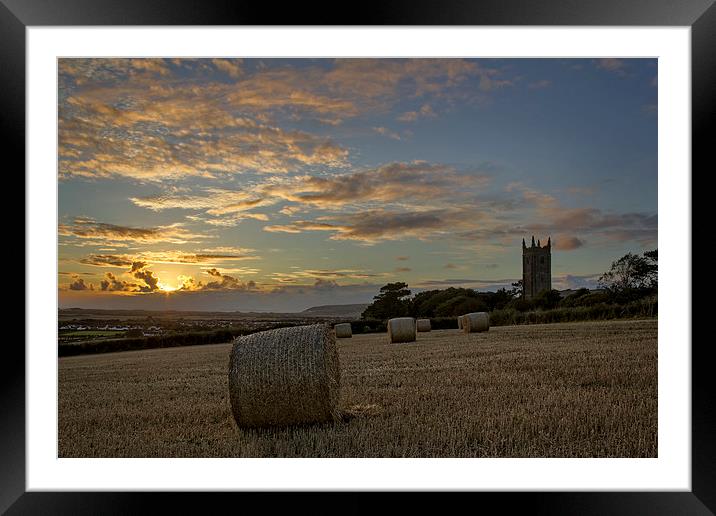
{"points": [[536, 267]]}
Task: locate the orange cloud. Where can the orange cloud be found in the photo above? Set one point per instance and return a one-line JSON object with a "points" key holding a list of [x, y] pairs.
{"points": [[87, 228]]}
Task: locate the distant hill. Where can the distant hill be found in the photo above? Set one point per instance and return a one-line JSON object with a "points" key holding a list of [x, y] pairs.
{"points": [[348, 311]]}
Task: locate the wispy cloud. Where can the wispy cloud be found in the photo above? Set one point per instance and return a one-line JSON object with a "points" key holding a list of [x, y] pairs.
{"points": [[117, 119], [387, 132], [208, 256], [372, 226], [425, 111], [88, 228], [390, 183]]}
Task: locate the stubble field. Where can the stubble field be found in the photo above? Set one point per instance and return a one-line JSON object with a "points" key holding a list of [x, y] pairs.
{"points": [[557, 390]]}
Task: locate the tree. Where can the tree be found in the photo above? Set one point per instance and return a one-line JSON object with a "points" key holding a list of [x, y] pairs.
{"points": [[631, 272], [501, 297], [575, 298], [547, 299], [653, 268], [460, 305], [517, 289], [389, 303], [431, 303]]}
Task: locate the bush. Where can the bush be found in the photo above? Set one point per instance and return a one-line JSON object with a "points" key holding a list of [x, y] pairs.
{"points": [[157, 341], [575, 298], [547, 299], [647, 307], [443, 323], [368, 326], [593, 298], [521, 305]]}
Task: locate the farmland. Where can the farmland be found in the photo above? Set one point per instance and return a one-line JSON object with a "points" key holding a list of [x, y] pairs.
{"points": [[559, 390]]}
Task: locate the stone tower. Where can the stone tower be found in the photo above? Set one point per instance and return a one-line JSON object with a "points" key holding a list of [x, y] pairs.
{"points": [[536, 268]]}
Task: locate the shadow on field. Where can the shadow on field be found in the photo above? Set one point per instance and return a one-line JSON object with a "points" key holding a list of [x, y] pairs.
{"points": [[346, 415], [355, 411]]}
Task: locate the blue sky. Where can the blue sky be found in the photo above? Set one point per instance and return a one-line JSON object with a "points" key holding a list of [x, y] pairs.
{"points": [[276, 185]]}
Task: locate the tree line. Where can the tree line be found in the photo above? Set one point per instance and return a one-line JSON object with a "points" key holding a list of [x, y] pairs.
{"points": [[631, 278]]}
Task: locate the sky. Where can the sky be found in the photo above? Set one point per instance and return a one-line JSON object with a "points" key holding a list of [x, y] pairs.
{"points": [[281, 184]]}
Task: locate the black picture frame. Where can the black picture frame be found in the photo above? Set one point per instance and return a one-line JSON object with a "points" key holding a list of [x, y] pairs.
{"points": [[17, 15]]}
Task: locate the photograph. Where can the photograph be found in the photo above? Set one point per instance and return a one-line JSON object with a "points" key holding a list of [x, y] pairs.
{"points": [[357, 257]]}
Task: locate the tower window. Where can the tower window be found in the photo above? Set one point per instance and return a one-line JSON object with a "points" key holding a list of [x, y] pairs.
{"points": [[541, 260]]}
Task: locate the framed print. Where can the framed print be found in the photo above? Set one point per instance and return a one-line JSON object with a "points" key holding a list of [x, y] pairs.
{"points": [[413, 253]]}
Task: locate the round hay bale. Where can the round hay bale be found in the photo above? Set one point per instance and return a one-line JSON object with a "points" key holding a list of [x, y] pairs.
{"points": [[286, 376], [401, 329], [476, 322], [459, 322], [423, 325], [343, 330]]}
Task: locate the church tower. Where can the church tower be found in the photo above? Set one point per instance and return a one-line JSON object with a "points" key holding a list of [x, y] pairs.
{"points": [[536, 268]]}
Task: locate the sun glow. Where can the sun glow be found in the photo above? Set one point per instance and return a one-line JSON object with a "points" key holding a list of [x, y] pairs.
{"points": [[166, 288]]}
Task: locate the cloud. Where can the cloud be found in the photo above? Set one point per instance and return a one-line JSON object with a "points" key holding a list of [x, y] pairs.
{"points": [[112, 284], [387, 132], [554, 218], [613, 65], [301, 226], [419, 205], [574, 281], [107, 260], [302, 275], [402, 269], [219, 282], [291, 210], [207, 256], [136, 266], [567, 243], [396, 183], [402, 258], [95, 146], [376, 225], [222, 281], [217, 201], [450, 266], [138, 270], [372, 226], [116, 118], [222, 207], [231, 67], [391, 183], [110, 70], [87, 228], [324, 284], [425, 111], [79, 284], [150, 280], [425, 212]]}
